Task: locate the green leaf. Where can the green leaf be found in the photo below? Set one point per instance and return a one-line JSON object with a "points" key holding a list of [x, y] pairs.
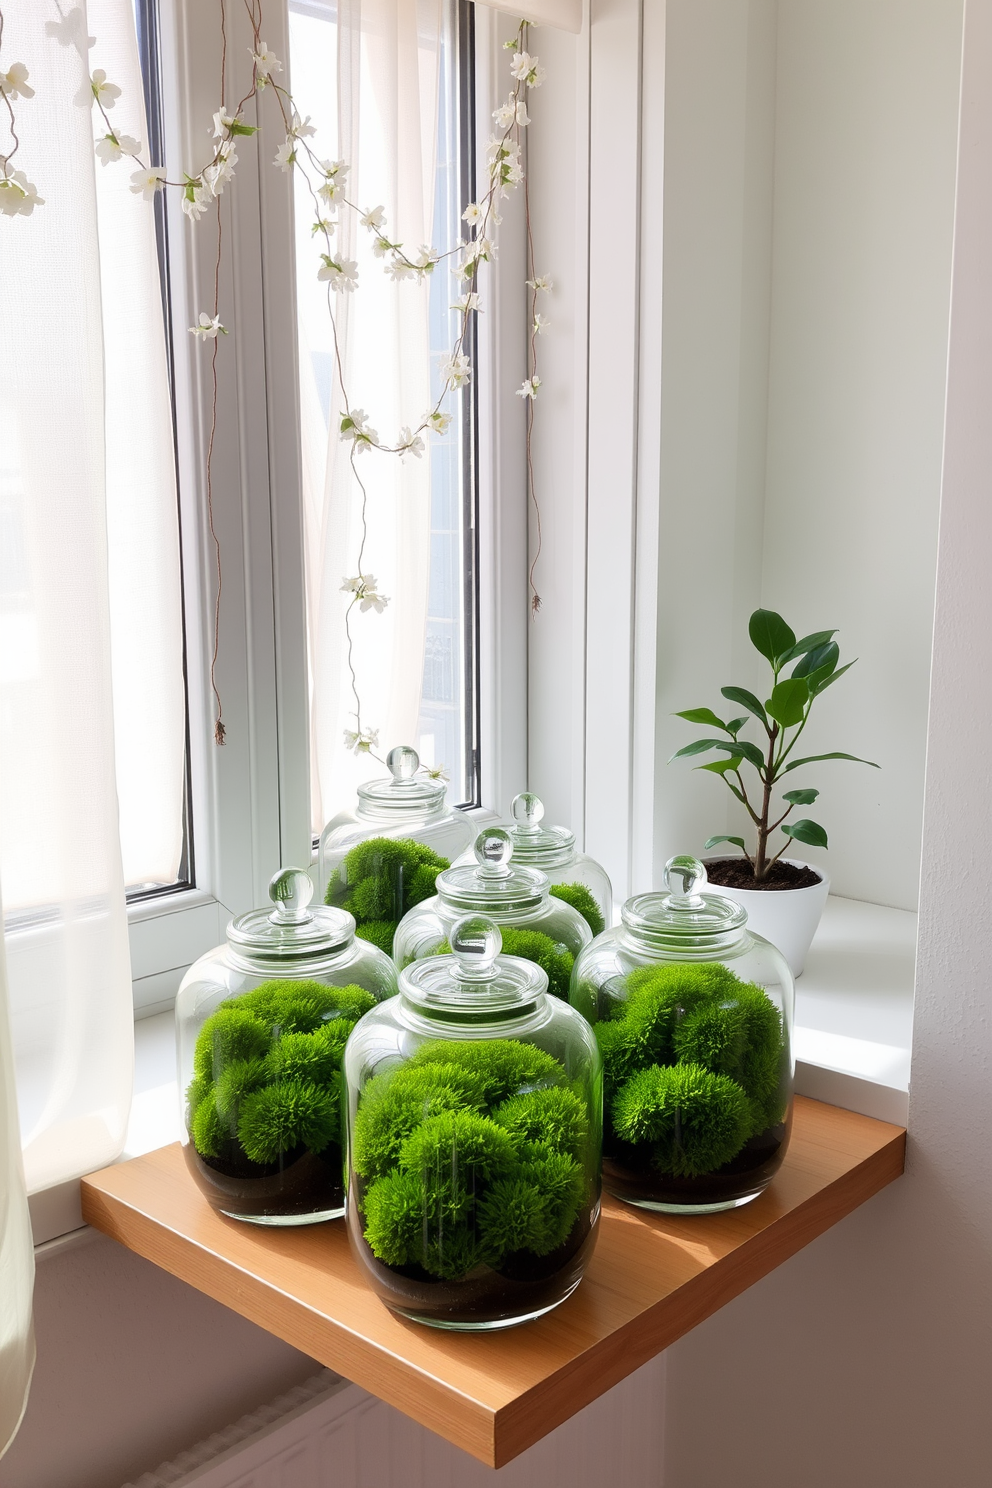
{"points": [[720, 767], [812, 758], [801, 797], [809, 643], [703, 715], [771, 636], [787, 703], [736, 724], [821, 680], [823, 657], [739, 747], [238, 128], [746, 700], [712, 842], [806, 831]]}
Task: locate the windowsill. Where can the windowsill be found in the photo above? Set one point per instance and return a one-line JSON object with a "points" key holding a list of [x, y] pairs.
{"points": [[854, 1024]]}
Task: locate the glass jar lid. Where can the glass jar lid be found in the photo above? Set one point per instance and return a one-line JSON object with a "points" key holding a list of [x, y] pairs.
{"points": [[491, 883], [533, 842], [474, 975], [684, 916], [404, 793], [292, 930]]}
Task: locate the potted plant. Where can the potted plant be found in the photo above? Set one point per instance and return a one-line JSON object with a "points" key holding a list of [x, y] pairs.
{"points": [[784, 897]]}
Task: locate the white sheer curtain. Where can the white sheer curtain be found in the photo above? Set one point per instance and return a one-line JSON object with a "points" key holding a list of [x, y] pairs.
{"points": [[16, 1253], [386, 127], [79, 449]]}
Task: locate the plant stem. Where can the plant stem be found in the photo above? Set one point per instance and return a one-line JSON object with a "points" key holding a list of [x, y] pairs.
{"points": [[760, 865]]}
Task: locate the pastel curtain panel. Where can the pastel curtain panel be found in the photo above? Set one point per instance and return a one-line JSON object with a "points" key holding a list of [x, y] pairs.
{"points": [[90, 634], [16, 1253], [382, 109]]}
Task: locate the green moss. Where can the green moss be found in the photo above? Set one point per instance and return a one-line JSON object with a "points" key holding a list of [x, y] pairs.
{"points": [[701, 1018], [556, 1117], [579, 897], [279, 1118], [379, 880], [695, 1121], [503, 1067], [267, 1069], [469, 1146]]}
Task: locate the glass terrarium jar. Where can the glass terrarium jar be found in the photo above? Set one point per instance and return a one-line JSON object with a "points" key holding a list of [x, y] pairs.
{"points": [[261, 1025], [474, 1139], [383, 857], [693, 1016], [574, 876], [533, 923]]}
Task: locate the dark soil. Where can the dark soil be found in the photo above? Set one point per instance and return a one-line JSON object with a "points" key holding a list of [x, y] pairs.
{"points": [[301, 1183], [737, 873], [628, 1172], [524, 1284]]}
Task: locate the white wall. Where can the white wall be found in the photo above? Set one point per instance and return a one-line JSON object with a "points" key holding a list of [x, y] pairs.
{"points": [[866, 1359], [808, 184]]}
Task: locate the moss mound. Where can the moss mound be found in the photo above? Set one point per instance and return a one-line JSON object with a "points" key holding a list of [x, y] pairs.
{"points": [[692, 1065], [267, 1071], [469, 1153], [579, 897], [379, 880]]}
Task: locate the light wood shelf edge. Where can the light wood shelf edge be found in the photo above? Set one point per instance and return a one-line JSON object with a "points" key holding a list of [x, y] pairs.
{"points": [[651, 1279]]}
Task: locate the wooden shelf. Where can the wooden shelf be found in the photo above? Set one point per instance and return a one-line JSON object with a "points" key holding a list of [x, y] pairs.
{"points": [[651, 1279]]}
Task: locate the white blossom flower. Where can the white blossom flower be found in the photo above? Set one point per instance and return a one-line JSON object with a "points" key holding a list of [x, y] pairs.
{"points": [[106, 94], [525, 69], [333, 183], [301, 128], [510, 113], [473, 213], [146, 182], [437, 772], [540, 325], [366, 593], [381, 247], [266, 62], [373, 219], [410, 443], [208, 328], [112, 146], [398, 268], [286, 154], [355, 426], [426, 260], [325, 225], [529, 388], [221, 171], [439, 421], [342, 275], [541, 283], [361, 742], [223, 123], [466, 302], [18, 195], [456, 370], [196, 199], [14, 82]]}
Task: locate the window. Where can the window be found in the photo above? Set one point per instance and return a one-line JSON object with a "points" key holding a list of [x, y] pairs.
{"points": [[442, 652]]}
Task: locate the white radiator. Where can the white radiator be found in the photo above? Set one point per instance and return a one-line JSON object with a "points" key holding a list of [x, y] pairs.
{"points": [[328, 1433]]}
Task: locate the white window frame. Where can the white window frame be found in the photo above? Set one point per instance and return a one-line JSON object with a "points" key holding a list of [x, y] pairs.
{"points": [[250, 798]]}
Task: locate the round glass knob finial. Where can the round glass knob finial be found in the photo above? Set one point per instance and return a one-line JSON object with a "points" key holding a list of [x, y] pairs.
{"points": [[685, 877], [403, 762], [290, 890], [475, 943], [493, 850], [527, 811]]}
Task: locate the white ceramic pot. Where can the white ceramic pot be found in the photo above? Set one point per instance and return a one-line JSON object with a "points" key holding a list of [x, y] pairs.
{"points": [[786, 917]]}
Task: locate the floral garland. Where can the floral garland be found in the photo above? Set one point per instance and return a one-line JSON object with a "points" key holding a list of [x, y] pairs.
{"points": [[325, 181]]}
